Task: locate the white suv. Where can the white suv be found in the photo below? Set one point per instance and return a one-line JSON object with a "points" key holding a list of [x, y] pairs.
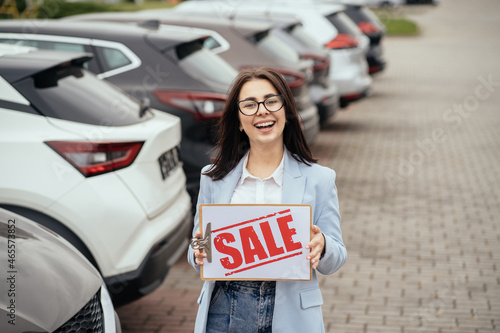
{"points": [[94, 165]]}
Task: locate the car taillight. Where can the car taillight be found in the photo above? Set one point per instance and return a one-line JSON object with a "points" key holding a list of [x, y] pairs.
{"points": [[204, 105], [319, 63], [374, 69], [342, 41], [294, 79], [95, 158], [368, 28], [352, 97]]}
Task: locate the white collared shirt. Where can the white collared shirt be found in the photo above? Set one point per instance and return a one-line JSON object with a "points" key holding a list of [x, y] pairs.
{"points": [[253, 190]]}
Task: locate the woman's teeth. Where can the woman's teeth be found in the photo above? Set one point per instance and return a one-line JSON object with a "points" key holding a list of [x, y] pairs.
{"points": [[269, 123]]}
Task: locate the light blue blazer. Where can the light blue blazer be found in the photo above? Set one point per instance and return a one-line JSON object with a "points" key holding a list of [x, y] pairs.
{"points": [[298, 303]]}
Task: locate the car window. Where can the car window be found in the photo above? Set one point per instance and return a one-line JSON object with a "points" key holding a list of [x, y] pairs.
{"points": [[46, 45], [199, 62], [305, 38], [344, 24], [356, 14], [211, 43], [361, 14], [53, 45], [370, 16], [72, 93], [114, 58], [274, 47]]}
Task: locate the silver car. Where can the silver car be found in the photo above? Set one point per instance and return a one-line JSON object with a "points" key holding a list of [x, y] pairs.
{"points": [[48, 285]]}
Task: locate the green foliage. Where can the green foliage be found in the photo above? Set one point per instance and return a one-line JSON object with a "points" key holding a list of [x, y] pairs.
{"points": [[48, 9], [60, 8], [400, 27], [396, 22]]}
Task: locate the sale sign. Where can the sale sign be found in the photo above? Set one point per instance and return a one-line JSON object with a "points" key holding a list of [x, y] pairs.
{"points": [[256, 242]]}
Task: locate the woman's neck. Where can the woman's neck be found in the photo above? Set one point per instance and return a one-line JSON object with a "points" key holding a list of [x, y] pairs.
{"points": [[263, 162]]}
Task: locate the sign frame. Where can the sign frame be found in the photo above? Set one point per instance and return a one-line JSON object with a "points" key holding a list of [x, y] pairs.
{"points": [[207, 241]]}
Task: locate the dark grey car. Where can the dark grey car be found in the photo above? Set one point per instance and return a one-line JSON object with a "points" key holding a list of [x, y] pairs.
{"points": [[170, 69], [242, 44], [49, 286]]}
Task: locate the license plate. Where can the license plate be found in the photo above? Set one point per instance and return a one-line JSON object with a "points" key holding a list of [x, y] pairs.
{"points": [[169, 161]]}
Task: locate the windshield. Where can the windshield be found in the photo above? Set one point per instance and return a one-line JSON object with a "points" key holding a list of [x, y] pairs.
{"points": [[204, 64], [72, 93]]}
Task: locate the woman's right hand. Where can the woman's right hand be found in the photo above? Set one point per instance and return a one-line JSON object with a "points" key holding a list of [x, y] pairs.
{"points": [[198, 255]]}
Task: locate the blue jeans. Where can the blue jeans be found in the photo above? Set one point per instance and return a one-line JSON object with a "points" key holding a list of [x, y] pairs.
{"points": [[241, 307]]}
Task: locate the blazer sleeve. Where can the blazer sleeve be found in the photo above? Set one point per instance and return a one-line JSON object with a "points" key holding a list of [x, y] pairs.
{"points": [[203, 198], [328, 220]]}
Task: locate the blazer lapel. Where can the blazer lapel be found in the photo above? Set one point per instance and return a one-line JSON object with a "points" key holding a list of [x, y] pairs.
{"points": [[223, 189], [294, 183]]}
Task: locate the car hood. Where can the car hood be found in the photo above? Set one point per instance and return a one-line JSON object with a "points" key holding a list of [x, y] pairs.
{"points": [[47, 281]]}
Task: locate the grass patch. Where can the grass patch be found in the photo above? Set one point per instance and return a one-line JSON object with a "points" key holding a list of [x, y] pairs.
{"points": [[396, 22], [130, 6], [400, 27], [51, 9]]}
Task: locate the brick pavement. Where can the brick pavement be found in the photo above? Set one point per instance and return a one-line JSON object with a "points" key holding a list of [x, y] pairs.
{"points": [[419, 187]]}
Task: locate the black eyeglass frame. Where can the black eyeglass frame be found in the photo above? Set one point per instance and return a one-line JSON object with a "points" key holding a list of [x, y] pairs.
{"points": [[263, 104]]}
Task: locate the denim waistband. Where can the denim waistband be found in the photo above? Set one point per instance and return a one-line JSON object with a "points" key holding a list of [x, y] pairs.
{"points": [[257, 287]]}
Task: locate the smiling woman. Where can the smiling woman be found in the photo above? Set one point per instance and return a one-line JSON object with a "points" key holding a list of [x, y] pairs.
{"points": [[262, 157], [234, 140], [263, 127]]}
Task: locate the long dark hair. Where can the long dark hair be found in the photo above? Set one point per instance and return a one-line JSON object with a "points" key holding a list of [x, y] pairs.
{"points": [[233, 144]]}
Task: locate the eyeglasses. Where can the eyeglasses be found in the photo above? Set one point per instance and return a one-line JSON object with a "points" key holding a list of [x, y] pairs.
{"points": [[249, 107]]}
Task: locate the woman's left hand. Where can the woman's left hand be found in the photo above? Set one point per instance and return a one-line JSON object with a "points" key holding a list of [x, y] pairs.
{"points": [[317, 244]]}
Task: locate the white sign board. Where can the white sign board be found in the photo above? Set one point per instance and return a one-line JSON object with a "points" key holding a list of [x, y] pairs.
{"points": [[256, 242]]}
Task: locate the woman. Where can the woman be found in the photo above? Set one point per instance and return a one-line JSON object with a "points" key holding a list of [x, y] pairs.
{"points": [[262, 157]]}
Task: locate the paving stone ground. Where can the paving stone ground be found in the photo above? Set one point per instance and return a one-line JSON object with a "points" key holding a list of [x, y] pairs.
{"points": [[419, 185]]}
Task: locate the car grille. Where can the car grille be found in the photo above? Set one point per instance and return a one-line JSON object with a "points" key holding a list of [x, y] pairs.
{"points": [[89, 319]]}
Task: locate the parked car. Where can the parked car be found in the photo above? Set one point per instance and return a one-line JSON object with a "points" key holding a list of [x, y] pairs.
{"points": [[49, 286], [94, 165], [241, 44], [171, 69], [326, 23], [371, 26]]}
